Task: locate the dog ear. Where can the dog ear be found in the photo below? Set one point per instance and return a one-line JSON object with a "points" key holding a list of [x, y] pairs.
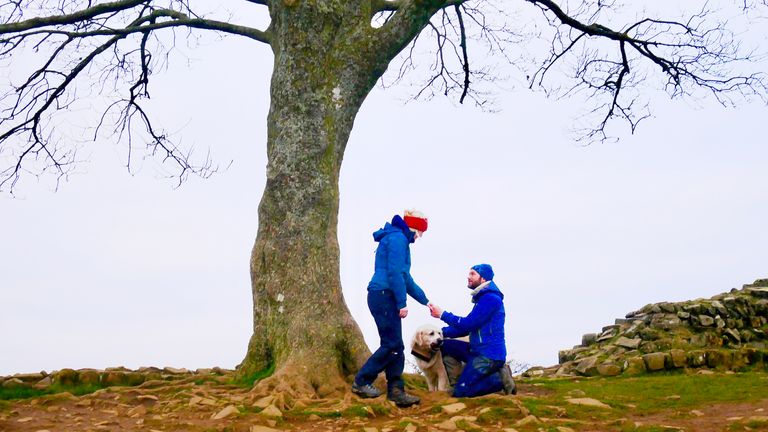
{"points": [[418, 340]]}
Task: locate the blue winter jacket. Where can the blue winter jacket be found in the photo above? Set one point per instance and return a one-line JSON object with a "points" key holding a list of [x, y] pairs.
{"points": [[484, 324], [393, 263]]}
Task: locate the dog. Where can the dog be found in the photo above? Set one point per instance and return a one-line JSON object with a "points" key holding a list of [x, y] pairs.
{"points": [[425, 347]]}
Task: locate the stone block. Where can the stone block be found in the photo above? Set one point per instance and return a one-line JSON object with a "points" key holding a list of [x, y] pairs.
{"points": [[608, 369], [90, 377], [587, 366], [588, 339], [706, 320], [720, 359], [628, 343], [634, 366], [654, 361], [677, 359], [66, 377]]}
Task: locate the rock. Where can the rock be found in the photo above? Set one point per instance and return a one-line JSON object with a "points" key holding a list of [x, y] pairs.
{"points": [[733, 335], [45, 382], [665, 321], [697, 358], [719, 322], [259, 428], [534, 372], [588, 339], [628, 343], [758, 292], [450, 424], [527, 420], [175, 371], [30, 377], [263, 402], [14, 383], [66, 377], [654, 361], [608, 369], [587, 365], [587, 402], [370, 429], [271, 411], [719, 359], [453, 408], [226, 412], [677, 359], [564, 429], [697, 413], [634, 366], [706, 320]]}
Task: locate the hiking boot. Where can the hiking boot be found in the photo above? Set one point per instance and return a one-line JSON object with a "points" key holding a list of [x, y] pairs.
{"points": [[506, 379], [365, 391], [401, 398]]}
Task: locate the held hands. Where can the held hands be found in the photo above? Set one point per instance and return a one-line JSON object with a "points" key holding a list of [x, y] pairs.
{"points": [[435, 310], [403, 312]]}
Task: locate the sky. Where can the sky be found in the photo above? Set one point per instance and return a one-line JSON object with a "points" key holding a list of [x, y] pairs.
{"points": [[123, 269]]}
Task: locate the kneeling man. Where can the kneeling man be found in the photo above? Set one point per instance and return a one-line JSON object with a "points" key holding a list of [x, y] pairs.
{"points": [[485, 355]]}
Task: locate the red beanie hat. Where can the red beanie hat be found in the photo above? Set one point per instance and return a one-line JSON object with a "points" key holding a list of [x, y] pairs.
{"points": [[416, 220]]}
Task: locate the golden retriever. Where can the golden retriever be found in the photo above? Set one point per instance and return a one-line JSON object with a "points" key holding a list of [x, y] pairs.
{"points": [[425, 347]]}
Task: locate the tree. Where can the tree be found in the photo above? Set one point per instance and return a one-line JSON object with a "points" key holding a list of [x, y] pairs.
{"points": [[328, 56]]}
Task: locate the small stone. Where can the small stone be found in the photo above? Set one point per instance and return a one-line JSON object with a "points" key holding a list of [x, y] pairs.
{"points": [[453, 408], [259, 428], [697, 413], [226, 412], [271, 411], [527, 420], [25, 419], [264, 402], [370, 429], [564, 429], [587, 402]]}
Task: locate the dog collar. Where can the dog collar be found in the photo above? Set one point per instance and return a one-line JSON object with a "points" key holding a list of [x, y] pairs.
{"points": [[420, 356]]}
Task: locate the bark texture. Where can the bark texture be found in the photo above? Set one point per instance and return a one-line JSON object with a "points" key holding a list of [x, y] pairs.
{"points": [[302, 328]]}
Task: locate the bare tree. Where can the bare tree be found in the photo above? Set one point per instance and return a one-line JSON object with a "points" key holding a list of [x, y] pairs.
{"points": [[328, 54]]}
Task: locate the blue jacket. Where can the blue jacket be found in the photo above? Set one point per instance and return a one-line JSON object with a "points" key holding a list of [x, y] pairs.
{"points": [[393, 263], [484, 324]]}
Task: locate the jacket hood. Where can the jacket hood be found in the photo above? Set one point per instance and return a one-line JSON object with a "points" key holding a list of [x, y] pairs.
{"points": [[397, 225], [490, 289]]}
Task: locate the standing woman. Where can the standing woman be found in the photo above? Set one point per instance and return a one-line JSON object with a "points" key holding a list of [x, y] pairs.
{"points": [[387, 302]]}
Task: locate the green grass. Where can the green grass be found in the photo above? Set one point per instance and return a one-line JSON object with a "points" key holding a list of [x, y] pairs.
{"points": [[248, 380], [30, 392], [649, 393]]}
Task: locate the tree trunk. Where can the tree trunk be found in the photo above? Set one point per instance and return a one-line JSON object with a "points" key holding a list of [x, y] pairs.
{"points": [[303, 333]]}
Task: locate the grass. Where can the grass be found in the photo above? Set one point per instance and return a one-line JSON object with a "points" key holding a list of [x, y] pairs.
{"points": [[651, 393], [248, 380], [31, 392]]}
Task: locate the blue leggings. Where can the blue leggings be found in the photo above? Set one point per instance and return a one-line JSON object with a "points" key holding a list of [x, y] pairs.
{"points": [[480, 375]]}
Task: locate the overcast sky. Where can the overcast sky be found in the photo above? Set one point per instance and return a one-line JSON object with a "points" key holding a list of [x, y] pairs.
{"points": [[116, 269]]}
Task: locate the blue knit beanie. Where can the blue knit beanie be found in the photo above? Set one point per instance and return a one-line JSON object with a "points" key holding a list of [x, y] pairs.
{"points": [[484, 270]]}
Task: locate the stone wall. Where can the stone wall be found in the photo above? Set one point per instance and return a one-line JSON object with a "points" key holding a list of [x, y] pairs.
{"points": [[728, 332], [117, 376]]}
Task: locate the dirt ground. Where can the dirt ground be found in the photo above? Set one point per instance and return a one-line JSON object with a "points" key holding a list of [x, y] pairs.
{"points": [[216, 406]]}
